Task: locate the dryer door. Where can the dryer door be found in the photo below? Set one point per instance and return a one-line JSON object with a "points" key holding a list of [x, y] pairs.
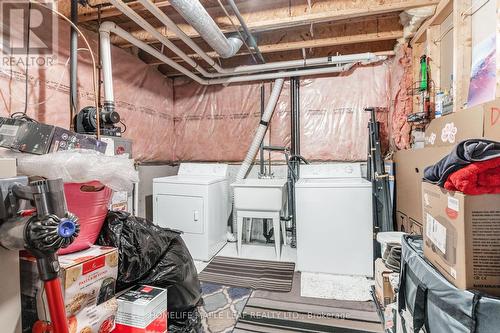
{"points": [[179, 212]]}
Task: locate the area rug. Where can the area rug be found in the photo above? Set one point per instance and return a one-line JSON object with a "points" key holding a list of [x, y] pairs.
{"points": [[290, 312], [222, 306], [339, 287], [248, 273]]}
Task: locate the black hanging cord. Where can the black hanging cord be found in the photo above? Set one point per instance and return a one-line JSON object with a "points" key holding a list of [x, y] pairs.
{"points": [[124, 127]]}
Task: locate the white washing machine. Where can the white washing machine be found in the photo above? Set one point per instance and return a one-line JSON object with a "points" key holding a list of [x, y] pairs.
{"points": [[334, 220], [196, 202]]}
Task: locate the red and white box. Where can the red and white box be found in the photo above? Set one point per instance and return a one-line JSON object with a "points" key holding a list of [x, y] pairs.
{"points": [[88, 281], [142, 309]]}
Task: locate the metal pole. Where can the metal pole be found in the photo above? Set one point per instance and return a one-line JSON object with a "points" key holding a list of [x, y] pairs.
{"points": [[251, 39], [74, 62], [294, 149], [262, 107]]}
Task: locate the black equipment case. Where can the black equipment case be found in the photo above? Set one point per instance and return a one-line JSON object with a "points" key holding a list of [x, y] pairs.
{"points": [[435, 304]]}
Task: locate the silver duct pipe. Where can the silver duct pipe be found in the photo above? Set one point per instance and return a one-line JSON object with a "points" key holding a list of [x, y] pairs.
{"points": [[196, 15], [251, 39], [163, 18], [110, 27]]}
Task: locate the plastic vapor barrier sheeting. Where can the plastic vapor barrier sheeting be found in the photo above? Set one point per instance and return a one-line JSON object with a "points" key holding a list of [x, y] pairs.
{"points": [[144, 97], [218, 123], [188, 122]]}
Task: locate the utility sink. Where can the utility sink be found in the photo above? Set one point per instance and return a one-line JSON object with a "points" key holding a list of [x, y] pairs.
{"points": [[264, 195]]}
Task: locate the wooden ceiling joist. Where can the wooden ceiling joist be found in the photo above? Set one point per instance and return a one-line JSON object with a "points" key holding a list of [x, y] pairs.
{"points": [[323, 35], [277, 13], [268, 22], [378, 47], [284, 29]]}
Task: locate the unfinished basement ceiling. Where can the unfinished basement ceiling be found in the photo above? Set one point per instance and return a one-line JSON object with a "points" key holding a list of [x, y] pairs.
{"points": [[283, 29]]}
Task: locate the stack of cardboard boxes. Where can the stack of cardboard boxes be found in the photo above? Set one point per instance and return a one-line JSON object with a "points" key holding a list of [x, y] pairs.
{"points": [[461, 232], [442, 134], [88, 281]]}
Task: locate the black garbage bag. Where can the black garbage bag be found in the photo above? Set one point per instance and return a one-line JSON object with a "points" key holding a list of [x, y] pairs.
{"points": [[185, 322], [149, 254]]}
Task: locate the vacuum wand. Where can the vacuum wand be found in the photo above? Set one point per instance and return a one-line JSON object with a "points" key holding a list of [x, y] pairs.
{"points": [[43, 234]]}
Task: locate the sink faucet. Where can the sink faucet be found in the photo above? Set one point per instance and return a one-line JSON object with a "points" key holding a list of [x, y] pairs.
{"points": [[268, 174]]}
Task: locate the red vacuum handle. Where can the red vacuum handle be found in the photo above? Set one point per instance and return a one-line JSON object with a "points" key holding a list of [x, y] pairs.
{"points": [[56, 306]]}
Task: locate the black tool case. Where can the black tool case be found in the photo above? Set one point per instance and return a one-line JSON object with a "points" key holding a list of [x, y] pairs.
{"points": [[435, 304]]}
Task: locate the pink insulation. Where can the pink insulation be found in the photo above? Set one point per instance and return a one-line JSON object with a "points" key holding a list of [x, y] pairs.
{"points": [[401, 101], [190, 122], [218, 123], [143, 96]]}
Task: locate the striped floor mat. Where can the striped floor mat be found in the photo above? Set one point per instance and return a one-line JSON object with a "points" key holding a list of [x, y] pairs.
{"points": [[247, 273], [272, 312], [257, 320]]}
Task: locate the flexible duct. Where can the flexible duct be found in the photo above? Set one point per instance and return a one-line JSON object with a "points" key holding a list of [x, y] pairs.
{"points": [[164, 19], [243, 24], [109, 27], [196, 15], [261, 130], [259, 136]]}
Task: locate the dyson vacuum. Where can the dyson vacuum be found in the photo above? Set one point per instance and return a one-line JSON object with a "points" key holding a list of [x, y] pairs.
{"points": [[34, 217]]}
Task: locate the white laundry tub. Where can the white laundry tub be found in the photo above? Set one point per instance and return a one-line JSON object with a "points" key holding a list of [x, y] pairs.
{"points": [[265, 195]]}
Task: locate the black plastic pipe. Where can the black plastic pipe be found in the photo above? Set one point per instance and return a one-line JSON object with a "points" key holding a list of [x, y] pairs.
{"points": [[294, 150], [73, 82], [262, 107]]}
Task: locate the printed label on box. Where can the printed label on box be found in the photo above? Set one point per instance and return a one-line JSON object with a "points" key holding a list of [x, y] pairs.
{"points": [[436, 232]]}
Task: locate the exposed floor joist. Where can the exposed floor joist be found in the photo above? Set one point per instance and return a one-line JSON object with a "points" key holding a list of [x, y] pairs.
{"points": [[284, 29], [266, 21], [378, 47], [321, 36]]}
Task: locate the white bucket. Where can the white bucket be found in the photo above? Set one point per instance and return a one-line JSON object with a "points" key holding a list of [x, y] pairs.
{"points": [[388, 237]]}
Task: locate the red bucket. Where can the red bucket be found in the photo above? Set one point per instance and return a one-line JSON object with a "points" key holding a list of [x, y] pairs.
{"points": [[89, 202]]}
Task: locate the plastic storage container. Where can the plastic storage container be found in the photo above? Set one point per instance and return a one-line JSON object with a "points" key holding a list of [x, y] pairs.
{"points": [[389, 237], [89, 202]]}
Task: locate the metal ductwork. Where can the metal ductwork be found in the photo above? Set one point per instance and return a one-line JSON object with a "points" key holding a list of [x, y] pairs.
{"points": [[196, 15]]}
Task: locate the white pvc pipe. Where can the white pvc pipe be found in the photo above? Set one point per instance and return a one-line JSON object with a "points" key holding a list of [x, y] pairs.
{"points": [[163, 18], [196, 15], [107, 71], [125, 9], [112, 27]]}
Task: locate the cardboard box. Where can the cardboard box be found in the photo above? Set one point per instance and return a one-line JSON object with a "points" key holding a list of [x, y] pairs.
{"points": [[88, 282], [461, 237], [8, 167], [142, 309], [410, 165], [415, 228], [383, 288], [119, 202], [481, 121], [10, 293]]}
